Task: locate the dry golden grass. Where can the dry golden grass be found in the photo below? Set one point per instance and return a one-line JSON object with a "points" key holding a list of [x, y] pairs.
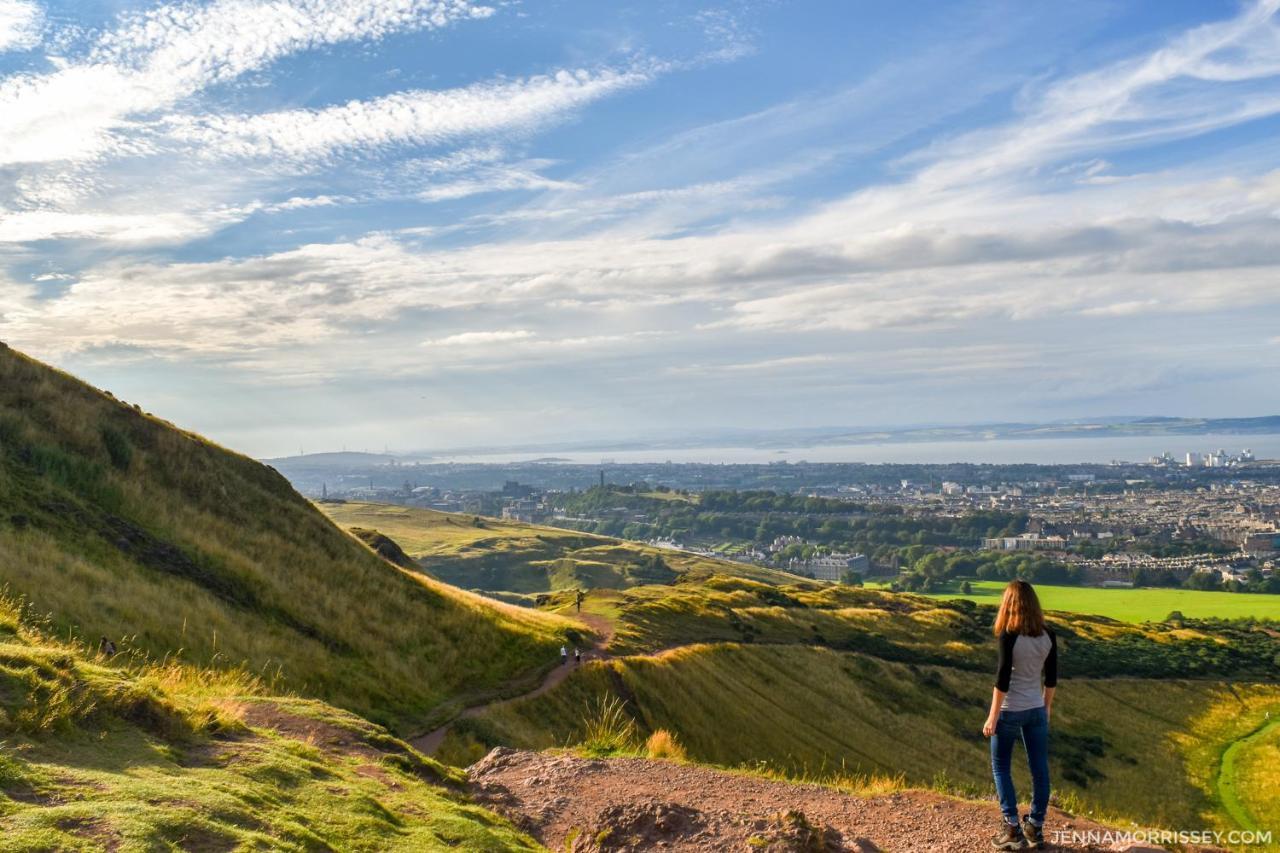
{"points": [[663, 744], [120, 525]]}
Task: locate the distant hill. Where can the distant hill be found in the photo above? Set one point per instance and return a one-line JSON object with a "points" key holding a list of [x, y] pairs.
{"points": [[117, 524], [508, 556], [788, 439]]}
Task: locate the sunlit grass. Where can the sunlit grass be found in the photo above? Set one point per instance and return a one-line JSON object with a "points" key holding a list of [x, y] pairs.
{"points": [[98, 756], [1135, 605], [1124, 748]]}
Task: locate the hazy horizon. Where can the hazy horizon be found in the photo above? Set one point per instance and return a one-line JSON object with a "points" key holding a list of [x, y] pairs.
{"points": [[441, 223]]}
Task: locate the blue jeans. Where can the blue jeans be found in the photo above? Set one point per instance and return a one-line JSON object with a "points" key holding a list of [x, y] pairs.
{"points": [[1032, 727]]}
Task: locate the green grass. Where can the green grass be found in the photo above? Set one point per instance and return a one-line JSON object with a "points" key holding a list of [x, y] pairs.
{"points": [[923, 630], [167, 757], [1127, 749], [1135, 605], [492, 555], [1247, 781], [121, 525]]}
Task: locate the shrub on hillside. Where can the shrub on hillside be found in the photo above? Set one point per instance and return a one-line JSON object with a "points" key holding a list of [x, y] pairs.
{"points": [[663, 744], [607, 728]]}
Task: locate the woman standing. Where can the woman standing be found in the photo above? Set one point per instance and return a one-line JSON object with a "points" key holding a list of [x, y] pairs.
{"points": [[1020, 709]]}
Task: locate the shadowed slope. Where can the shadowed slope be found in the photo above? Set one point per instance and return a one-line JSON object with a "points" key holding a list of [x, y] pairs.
{"points": [[121, 525]]}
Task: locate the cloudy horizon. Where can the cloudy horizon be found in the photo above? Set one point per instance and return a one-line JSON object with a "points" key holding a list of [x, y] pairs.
{"points": [[441, 223]]}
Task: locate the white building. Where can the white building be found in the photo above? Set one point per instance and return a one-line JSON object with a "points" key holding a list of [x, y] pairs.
{"points": [[1025, 542]]}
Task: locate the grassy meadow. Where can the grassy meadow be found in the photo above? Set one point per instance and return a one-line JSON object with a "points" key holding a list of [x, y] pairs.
{"points": [[1135, 605], [167, 757], [811, 712], [120, 525], [489, 554]]}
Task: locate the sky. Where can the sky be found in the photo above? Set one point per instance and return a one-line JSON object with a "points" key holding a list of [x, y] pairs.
{"points": [[303, 225]]}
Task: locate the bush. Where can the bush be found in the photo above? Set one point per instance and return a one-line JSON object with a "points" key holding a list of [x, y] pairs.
{"points": [[663, 744], [118, 448], [607, 728]]}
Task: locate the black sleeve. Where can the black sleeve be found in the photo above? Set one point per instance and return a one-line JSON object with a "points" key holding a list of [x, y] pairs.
{"points": [[1004, 665], [1051, 662]]}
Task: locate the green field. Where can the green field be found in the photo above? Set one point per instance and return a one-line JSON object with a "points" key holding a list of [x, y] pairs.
{"points": [[1136, 605]]}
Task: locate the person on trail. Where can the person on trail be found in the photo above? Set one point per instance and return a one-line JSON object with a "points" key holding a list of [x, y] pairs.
{"points": [[1020, 710], [564, 656], [578, 599], [106, 648], [577, 657]]}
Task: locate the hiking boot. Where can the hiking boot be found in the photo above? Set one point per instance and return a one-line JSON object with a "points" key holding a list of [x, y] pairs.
{"points": [[1034, 834], [1009, 838]]}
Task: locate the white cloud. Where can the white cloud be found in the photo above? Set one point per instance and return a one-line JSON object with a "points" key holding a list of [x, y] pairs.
{"points": [[404, 118], [20, 22], [479, 339], [157, 58], [1029, 234]]}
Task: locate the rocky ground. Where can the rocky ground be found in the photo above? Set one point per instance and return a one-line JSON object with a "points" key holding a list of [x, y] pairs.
{"points": [[632, 804]]}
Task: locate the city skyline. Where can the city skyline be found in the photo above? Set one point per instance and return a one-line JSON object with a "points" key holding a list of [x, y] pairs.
{"points": [[438, 224]]}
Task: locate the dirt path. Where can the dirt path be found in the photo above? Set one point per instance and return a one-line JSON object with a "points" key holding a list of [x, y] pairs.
{"points": [[586, 805], [428, 743]]}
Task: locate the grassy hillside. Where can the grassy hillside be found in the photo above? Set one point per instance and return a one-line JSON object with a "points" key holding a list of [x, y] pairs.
{"points": [[487, 554], [97, 757], [917, 629], [813, 712], [120, 525], [1135, 605]]}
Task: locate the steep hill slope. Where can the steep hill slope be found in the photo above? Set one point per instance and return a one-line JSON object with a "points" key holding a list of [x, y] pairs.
{"points": [[120, 525], [491, 555], [98, 757]]}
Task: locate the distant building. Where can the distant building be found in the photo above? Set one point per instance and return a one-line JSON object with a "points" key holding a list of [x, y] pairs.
{"points": [[831, 567], [1025, 542], [1262, 544]]}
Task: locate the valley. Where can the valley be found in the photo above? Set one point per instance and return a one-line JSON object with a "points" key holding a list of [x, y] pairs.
{"points": [[183, 629]]}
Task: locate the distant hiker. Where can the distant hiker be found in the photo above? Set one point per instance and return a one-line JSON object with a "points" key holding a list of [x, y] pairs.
{"points": [[577, 600], [564, 656], [577, 657], [106, 648], [1020, 710]]}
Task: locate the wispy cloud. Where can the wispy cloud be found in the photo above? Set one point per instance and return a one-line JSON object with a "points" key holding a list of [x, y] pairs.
{"points": [[416, 118], [171, 52]]}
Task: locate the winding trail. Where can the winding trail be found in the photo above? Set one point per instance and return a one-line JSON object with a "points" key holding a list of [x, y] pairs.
{"points": [[1226, 777], [603, 629]]}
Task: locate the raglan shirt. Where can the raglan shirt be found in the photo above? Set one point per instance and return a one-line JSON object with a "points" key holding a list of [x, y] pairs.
{"points": [[1021, 660]]}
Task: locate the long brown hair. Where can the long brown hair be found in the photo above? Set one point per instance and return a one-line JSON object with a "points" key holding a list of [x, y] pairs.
{"points": [[1020, 611]]}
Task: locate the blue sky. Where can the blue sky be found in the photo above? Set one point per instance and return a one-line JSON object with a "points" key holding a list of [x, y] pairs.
{"points": [[435, 223]]}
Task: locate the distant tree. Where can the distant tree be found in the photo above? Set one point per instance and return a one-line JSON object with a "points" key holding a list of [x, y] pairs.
{"points": [[966, 588], [851, 577], [932, 565]]}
